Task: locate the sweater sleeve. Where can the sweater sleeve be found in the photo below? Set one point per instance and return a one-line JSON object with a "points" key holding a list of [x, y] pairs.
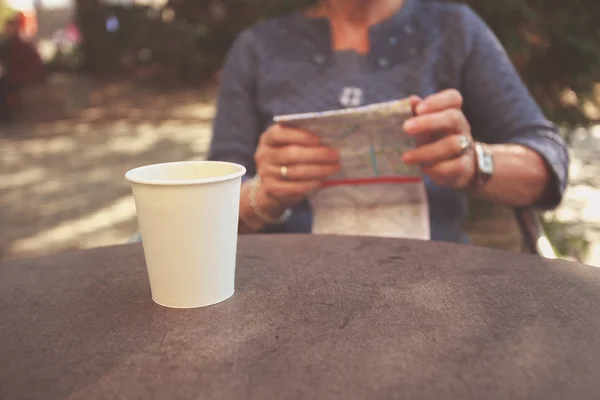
{"points": [[501, 109], [237, 125]]}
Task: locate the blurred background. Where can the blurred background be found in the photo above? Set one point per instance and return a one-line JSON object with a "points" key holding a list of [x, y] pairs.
{"points": [[129, 83]]}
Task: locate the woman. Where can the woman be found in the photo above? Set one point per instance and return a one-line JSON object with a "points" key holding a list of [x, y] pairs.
{"points": [[443, 55]]}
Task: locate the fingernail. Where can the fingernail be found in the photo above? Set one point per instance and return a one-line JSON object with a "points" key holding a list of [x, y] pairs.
{"points": [[421, 108], [409, 124], [407, 159]]}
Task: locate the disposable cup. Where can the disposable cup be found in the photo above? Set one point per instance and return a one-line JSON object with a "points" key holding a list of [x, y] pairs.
{"points": [[188, 218]]}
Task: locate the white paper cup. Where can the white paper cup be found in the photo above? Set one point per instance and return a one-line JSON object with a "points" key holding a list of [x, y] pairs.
{"points": [[188, 218]]}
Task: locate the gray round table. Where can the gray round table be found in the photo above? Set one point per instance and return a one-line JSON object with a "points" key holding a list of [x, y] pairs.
{"points": [[312, 318]]}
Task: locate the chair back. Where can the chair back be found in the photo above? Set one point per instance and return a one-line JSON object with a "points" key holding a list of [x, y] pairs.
{"points": [[534, 235]]}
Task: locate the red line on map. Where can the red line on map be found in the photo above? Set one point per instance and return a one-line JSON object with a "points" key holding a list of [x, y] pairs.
{"points": [[371, 181]]}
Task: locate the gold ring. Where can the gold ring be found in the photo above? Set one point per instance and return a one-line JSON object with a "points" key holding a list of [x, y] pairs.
{"points": [[284, 171]]}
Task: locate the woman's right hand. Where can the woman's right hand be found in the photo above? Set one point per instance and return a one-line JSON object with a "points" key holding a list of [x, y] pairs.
{"points": [[292, 163]]}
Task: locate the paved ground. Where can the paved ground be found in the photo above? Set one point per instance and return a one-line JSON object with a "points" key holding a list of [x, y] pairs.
{"points": [[62, 185]]}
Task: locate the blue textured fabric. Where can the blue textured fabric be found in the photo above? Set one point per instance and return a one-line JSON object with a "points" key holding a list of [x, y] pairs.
{"points": [[287, 65]]}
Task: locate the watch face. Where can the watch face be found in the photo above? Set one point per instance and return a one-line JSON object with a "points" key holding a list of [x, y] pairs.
{"points": [[487, 164], [485, 161]]}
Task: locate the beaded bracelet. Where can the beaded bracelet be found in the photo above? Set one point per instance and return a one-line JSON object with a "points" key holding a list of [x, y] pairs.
{"points": [[254, 185]]}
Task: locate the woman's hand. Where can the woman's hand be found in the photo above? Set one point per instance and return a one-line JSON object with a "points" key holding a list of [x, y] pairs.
{"points": [[292, 163], [444, 137]]}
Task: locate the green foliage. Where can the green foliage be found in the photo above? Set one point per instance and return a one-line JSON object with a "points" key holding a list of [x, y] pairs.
{"points": [[104, 49], [568, 240], [5, 13], [556, 47], [145, 40]]}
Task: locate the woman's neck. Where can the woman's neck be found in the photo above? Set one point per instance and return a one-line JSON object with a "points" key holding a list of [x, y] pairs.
{"points": [[351, 20], [359, 13]]}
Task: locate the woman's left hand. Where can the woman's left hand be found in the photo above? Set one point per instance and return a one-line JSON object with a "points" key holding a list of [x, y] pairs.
{"points": [[444, 137]]}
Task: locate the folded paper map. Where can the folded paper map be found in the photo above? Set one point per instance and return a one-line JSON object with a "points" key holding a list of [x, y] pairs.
{"points": [[370, 139], [375, 193]]}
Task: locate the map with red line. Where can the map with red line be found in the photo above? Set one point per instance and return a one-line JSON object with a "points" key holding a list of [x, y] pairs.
{"points": [[375, 193]]}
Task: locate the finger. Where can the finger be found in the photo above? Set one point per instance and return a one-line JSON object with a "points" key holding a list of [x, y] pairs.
{"points": [[279, 189], [291, 155], [279, 135], [414, 101], [301, 172], [450, 98], [456, 173], [450, 146], [451, 120]]}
